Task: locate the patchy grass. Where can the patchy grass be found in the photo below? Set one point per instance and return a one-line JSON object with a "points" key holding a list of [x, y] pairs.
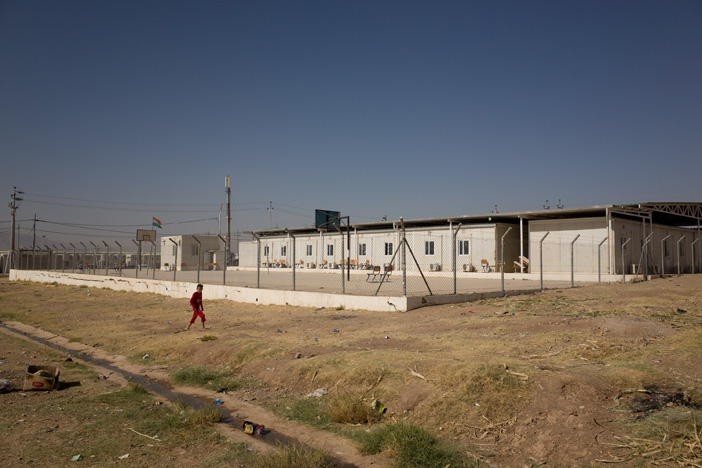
{"points": [[310, 411], [200, 376], [413, 447], [208, 338], [293, 456]]}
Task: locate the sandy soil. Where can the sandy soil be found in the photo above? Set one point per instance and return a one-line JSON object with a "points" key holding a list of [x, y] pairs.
{"points": [[581, 354]]}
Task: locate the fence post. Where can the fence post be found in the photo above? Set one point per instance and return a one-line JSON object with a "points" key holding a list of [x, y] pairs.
{"points": [[624, 263], [404, 258], [502, 259], [541, 258], [663, 254], [258, 259], [199, 254], [224, 268], [693, 254], [175, 262], [294, 259], [572, 262], [599, 260], [136, 265], [453, 254], [119, 259]]}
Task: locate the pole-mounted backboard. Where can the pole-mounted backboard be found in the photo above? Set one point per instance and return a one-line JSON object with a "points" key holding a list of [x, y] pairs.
{"points": [[147, 235], [325, 219]]}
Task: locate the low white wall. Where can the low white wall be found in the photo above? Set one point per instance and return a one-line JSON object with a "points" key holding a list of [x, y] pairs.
{"points": [[212, 291]]}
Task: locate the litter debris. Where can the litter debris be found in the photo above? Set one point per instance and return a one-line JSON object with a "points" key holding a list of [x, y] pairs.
{"points": [[146, 356], [122, 457], [41, 378], [656, 360], [387, 337], [318, 393], [218, 401], [68, 360], [336, 330], [78, 457], [5, 385], [222, 390], [378, 406], [681, 311], [298, 355], [316, 339], [252, 428]]}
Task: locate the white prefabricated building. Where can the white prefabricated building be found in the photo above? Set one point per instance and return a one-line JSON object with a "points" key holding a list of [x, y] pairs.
{"points": [[611, 239]]}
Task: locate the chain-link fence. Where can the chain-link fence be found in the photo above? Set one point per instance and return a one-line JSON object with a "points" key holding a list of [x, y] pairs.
{"points": [[496, 258]]}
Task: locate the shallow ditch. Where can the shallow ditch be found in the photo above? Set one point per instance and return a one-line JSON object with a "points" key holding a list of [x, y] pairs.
{"points": [[269, 436]]}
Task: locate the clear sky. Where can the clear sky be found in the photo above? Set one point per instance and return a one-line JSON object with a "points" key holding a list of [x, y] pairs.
{"points": [[112, 112]]}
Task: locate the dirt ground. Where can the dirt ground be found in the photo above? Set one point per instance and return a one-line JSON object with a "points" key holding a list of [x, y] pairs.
{"points": [[586, 364]]}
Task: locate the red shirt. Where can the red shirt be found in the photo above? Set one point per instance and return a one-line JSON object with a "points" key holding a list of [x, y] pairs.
{"points": [[196, 301]]}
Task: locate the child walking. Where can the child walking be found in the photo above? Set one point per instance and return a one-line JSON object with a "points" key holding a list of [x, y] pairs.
{"points": [[198, 310]]}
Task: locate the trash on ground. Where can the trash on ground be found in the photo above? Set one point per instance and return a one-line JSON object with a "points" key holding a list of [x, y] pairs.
{"points": [[146, 356], [218, 401], [78, 457], [252, 428], [378, 406], [41, 378], [122, 457], [5, 385], [318, 393]]}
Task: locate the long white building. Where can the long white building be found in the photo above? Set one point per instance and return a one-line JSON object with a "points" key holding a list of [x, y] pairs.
{"points": [[643, 237]]}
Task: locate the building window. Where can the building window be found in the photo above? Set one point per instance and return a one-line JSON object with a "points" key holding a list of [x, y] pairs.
{"points": [[283, 250], [266, 251], [361, 249], [429, 248], [309, 250], [388, 248], [330, 249], [463, 247]]}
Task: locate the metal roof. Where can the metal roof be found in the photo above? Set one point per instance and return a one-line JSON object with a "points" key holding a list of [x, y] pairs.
{"points": [[665, 213]]}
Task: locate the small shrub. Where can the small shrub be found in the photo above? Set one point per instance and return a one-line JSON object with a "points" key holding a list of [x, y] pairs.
{"points": [[208, 338], [348, 410]]}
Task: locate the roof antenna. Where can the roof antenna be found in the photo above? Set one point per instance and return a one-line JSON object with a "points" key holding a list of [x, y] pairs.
{"points": [[495, 210], [546, 207], [559, 206]]}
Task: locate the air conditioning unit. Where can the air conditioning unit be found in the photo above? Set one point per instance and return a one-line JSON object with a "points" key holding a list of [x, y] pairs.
{"points": [[311, 265], [468, 267], [435, 267]]}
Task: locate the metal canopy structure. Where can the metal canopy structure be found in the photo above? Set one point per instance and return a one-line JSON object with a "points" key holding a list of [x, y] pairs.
{"points": [[683, 215]]}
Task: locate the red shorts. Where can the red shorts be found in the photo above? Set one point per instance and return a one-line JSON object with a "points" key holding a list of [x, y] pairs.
{"points": [[196, 314]]}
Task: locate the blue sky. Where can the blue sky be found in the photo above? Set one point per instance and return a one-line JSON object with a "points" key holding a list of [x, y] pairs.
{"points": [[114, 112]]}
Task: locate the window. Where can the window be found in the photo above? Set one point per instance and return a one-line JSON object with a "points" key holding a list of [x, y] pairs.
{"points": [[309, 250], [361, 249], [330, 249], [283, 250], [463, 247], [429, 248], [266, 251], [388, 248]]}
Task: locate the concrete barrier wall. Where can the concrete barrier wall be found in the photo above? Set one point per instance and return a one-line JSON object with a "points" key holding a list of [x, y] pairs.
{"points": [[182, 289]]}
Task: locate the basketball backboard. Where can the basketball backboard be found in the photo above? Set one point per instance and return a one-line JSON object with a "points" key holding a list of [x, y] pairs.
{"points": [[147, 235]]}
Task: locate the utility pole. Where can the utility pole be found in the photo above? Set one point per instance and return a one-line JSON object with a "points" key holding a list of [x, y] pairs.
{"points": [[270, 211], [228, 191], [13, 207]]}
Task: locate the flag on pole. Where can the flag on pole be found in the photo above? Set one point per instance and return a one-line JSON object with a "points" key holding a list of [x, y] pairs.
{"points": [[157, 223]]}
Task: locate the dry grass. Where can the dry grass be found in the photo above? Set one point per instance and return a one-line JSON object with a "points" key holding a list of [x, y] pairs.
{"points": [[346, 409]]}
